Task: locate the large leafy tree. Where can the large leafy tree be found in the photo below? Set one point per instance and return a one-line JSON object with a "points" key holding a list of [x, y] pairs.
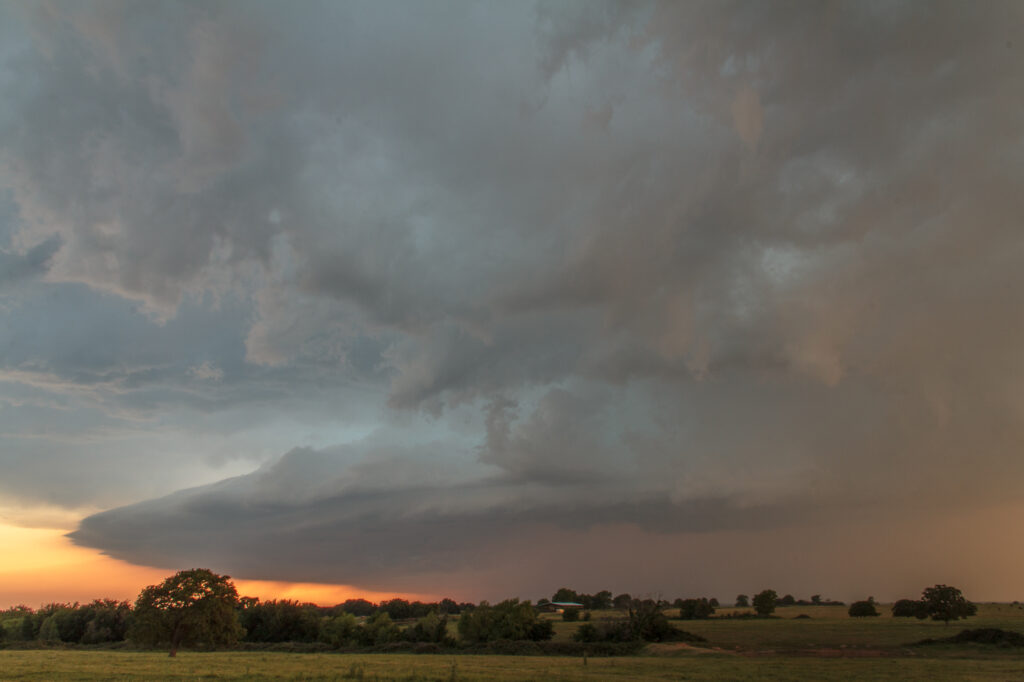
{"points": [[194, 607], [946, 603]]}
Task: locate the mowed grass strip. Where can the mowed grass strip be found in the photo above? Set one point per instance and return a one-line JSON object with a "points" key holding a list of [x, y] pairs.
{"points": [[117, 665]]}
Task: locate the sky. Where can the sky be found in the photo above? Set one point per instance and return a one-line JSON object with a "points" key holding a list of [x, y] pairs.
{"points": [[483, 299]]}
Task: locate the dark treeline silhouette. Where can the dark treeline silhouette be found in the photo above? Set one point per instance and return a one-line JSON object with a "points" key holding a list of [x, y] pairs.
{"points": [[199, 608], [105, 621], [940, 602]]}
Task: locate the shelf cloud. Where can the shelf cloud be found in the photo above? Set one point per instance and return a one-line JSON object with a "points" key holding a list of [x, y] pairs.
{"points": [[505, 277]]}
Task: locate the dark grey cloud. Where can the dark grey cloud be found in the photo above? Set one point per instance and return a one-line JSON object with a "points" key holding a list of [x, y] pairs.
{"points": [[34, 262], [614, 261], [344, 515]]}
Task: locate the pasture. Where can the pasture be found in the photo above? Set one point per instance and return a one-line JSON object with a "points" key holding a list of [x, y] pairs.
{"points": [[828, 645]]}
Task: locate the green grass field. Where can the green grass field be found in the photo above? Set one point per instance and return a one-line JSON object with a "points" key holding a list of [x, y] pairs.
{"points": [[828, 646], [100, 665]]}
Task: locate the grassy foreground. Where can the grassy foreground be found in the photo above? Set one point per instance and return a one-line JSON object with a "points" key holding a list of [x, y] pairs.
{"points": [[103, 665]]}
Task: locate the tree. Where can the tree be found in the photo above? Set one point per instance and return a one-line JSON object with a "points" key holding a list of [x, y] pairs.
{"points": [[280, 621], [647, 622], [565, 594], [339, 630], [511, 619], [764, 602], [378, 629], [622, 601], [448, 605], [430, 628], [788, 600], [695, 609], [357, 607], [194, 607], [946, 603], [29, 626], [861, 609], [742, 600], [106, 621], [909, 608], [816, 599], [601, 601]]}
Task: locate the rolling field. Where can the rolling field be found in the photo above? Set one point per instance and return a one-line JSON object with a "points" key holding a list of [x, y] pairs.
{"points": [[829, 645]]}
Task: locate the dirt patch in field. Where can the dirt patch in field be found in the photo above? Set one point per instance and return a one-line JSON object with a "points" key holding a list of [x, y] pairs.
{"points": [[846, 653], [825, 652], [673, 648]]}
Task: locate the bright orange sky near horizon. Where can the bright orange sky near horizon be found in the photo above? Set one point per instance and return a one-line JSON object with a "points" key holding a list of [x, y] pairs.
{"points": [[41, 565]]}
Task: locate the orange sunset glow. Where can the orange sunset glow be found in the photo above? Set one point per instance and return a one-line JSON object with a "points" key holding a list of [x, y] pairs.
{"points": [[40, 565]]}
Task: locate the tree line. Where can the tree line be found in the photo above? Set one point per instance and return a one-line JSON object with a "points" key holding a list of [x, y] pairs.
{"points": [[200, 608]]}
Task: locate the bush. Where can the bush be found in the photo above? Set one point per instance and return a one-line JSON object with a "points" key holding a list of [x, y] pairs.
{"points": [[622, 631], [861, 609], [695, 609], [511, 619], [570, 615], [431, 628], [909, 608], [1005, 638], [338, 631], [379, 629]]}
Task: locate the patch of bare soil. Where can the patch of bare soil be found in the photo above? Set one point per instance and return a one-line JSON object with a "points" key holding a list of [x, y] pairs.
{"points": [[824, 652], [674, 648]]}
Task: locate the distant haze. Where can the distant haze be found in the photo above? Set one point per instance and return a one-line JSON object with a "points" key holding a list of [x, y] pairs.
{"points": [[485, 299]]}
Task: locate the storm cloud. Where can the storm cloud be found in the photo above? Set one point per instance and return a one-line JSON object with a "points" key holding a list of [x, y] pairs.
{"points": [[497, 276]]}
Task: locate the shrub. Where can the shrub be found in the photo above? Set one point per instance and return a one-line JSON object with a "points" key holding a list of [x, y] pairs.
{"points": [[1004, 638], [430, 628], [571, 615], [861, 609], [511, 619], [695, 609], [379, 629], [338, 631]]}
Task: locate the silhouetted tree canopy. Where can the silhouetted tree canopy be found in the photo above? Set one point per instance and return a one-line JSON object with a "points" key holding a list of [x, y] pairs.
{"points": [[511, 619], [193, 607], [764, 602], [694, 609], [910, 608], [946, 603], [862, 609]]}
